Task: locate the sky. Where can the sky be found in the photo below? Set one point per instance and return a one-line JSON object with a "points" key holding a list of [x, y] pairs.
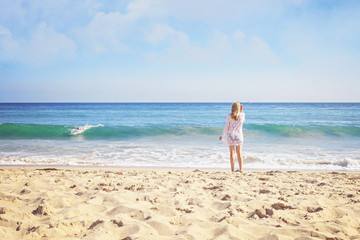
{"points": [[180, 51]]}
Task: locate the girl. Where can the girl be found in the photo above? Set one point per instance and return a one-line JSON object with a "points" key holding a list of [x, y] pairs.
{"points": [[233, 133]]}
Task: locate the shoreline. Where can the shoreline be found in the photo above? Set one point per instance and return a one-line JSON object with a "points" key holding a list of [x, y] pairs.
{"points": [[92, 202], [169, 168]]}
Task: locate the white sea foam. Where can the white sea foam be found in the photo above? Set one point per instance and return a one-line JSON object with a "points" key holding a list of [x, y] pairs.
{"points": [[153, 154]]}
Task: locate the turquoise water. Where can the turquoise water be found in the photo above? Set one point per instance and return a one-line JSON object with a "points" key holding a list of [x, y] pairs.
{"points": [[277, 135]]}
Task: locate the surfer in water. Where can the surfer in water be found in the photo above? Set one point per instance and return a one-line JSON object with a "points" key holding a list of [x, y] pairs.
{"points": [[233, 133], [79, 130]]}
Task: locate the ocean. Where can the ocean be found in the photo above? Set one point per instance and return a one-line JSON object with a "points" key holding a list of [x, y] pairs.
{"points": [[277, 136]]}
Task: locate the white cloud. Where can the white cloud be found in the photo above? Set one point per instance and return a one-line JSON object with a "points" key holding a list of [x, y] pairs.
{"points": [[219, 48], [163, 32], [147, 8], [238, 36], [8, 46], [45, 45], [212, 11], [106, 32], [219, 42], [10, 9], [260, 51], [111, 29], [92, 6], [159, 32], [4, 32], [175, 47]]}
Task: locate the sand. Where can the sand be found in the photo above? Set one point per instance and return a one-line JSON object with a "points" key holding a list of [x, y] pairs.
{"points": [[123, 203]]}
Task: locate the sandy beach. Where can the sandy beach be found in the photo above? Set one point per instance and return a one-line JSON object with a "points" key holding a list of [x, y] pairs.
{"points": [[123, 203]]}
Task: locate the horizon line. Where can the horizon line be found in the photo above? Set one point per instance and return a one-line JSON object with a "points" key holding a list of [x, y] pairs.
{"points": [[178, 102]]}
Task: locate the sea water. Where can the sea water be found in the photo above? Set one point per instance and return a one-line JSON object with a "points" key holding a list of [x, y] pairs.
{"points": [[283, 136]]}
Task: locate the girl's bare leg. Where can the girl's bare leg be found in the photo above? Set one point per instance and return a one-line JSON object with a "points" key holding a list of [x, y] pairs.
{"points": [[232, 156], [239, 157]]}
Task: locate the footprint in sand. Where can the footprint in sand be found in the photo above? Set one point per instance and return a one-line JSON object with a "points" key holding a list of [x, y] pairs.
{"points": [[166, 211], [195, 201], [221, 205], [120, 209], [162, 228], [131, 212]]}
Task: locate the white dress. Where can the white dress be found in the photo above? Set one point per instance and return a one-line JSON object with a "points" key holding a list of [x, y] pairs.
{"points": [[233, 132]]}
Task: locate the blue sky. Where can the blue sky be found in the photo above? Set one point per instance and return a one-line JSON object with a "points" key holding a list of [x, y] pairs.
{"points": [[188, 50]]}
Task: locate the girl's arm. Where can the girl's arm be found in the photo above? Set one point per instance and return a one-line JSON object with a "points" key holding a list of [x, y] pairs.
{"points": [[226, 128], [242, 114]]}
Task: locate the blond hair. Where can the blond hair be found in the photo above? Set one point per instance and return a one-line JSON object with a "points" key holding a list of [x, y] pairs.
{"points": [[235, 111]]}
